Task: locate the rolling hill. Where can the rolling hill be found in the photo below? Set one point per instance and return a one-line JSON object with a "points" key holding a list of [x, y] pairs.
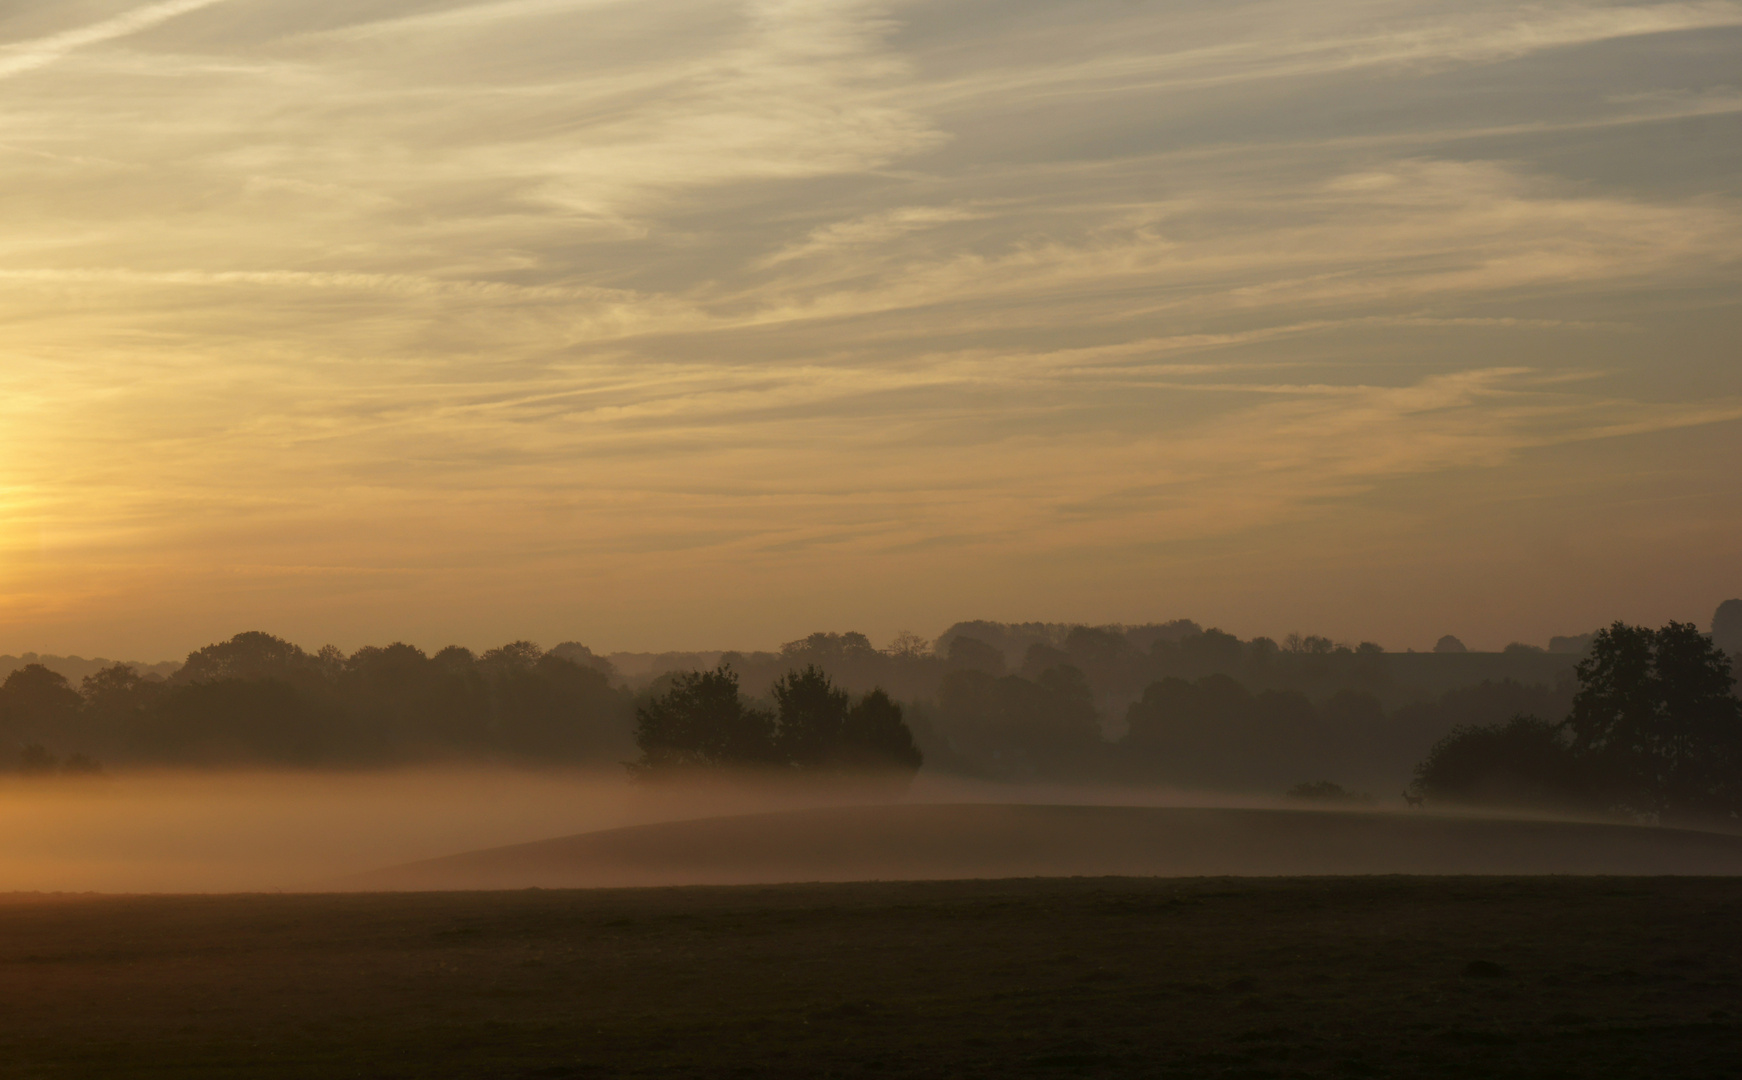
{"points": [[931, 842]]}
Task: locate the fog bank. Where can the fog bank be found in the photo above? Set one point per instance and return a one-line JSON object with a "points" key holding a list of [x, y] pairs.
{"points": [[248, 831], [264, 831], [222, 831]]}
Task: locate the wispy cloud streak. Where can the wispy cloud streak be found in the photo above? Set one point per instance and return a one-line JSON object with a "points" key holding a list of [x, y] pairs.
{"points": [[31, 55], [510, 303]]}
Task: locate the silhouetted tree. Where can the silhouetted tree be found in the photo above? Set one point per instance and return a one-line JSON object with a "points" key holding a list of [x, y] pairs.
{"points": [[1144, 638], [1040, 657], [1212, 651], [116, 701], [1096, 644], [514, 656], [810, 717], [575, 652], [818, 728], [250, 655], [554, 709], [701, 721], [37, 704], [115, 689], [231, 721], [875, 737], [1654, 729], [454, 658], [1019, 727], [403, 703], [1311, 644], [1655, 723], [1522, 762], [1571, 644], [971, 652], [822, 647], [908, 645], [1214, 731], [259, 699]]}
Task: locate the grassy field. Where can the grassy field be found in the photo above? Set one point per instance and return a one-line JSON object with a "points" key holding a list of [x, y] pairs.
{"points": [[1284, 977]]}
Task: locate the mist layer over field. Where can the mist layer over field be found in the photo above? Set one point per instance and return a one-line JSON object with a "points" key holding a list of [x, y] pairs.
{"points": [[246, 831], [263, 831]]}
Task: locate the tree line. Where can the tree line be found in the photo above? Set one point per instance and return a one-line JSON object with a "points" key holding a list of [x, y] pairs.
{"points": [[702, 721], [257, 698], [1120, 662], [1655, 731], [1254, 716]]}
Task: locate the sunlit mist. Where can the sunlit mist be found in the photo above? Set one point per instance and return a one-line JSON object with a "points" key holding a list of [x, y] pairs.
{"points": [[267, 831]]}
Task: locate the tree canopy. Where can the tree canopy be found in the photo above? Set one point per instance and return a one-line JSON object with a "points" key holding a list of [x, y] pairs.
{"points": [[1655, 722], [701, 720], [259, 699], [1520, 762]]}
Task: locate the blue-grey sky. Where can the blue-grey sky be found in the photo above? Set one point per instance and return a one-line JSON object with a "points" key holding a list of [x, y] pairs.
{"points": [[679, 323]]}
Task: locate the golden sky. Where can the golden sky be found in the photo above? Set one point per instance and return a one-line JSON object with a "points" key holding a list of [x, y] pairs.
{"points": [[678, 323]]}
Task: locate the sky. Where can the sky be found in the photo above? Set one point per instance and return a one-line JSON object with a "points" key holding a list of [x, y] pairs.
{"points": [[691, 323]]}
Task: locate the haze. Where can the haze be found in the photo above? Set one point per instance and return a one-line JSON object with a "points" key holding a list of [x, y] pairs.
{"points": [[253, 830], [166, 831], [472, 827], [684, 324]]}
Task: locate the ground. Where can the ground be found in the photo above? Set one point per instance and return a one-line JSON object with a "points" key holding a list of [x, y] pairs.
{"points": [[1244, 977]]}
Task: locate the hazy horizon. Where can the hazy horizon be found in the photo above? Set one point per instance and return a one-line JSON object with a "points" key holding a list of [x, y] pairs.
{"points": [[604, 650], [696, 323]]}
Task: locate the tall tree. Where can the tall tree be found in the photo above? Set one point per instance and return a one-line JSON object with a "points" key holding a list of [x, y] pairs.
{"points": [[701, 721], [1656, 724], [811, 717], [875, 737], [36, 704], [116, 700], [249, 655], [821, 729]]}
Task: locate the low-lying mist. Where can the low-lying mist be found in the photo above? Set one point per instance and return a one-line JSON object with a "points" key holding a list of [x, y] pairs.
{"points": [[244, 831], [220, 831]]}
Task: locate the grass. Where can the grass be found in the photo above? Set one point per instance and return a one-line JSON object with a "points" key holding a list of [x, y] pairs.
{"points": [[1273, 977]]}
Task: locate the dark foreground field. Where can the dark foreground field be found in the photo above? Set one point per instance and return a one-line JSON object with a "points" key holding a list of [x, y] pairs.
{"points": [[1284, 977]]}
